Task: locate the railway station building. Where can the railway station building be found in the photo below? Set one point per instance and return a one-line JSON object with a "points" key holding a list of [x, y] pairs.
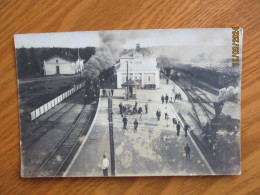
{"points": [[141, 69], [57, 65]]}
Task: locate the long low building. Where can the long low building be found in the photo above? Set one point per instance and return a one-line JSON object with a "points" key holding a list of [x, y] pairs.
{"points": [[142, 69], [57, 65]]}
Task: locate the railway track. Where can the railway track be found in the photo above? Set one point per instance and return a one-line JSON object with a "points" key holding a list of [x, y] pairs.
{"points": [[217, 150], [53, 114], [195, 98], [205, 96], [38, 132], [207, 111], [204, 104], [204, 86], [57, 161], [195, 120]]}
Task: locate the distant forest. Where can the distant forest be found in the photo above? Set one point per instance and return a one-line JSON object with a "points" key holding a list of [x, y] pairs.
{"points": [[30, 60]]}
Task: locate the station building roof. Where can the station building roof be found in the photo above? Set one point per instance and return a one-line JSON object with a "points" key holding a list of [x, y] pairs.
{"points": [[130, 83]]}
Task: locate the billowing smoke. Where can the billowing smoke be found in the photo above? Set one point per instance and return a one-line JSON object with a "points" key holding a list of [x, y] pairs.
{"points": [[228, 94], [179, 46], [107, 54]]}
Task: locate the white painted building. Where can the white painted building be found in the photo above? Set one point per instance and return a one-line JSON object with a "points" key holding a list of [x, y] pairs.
{"points": [[58, 65], [141, 69]]}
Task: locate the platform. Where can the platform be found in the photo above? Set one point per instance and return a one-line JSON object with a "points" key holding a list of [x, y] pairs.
{"points": [[153, 150]]}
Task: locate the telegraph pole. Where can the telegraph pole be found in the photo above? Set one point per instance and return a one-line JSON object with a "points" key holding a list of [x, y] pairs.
{"points": [[127, 80], [111, 136]]}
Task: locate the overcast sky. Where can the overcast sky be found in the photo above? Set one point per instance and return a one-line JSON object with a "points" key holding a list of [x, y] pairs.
{"points": [[214, 44], [147, 38]]}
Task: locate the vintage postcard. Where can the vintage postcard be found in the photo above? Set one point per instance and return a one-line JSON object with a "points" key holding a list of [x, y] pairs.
{"points": [[130, 103]]}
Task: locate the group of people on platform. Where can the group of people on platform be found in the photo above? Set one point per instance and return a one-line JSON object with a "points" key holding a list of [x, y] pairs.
{"points": [[166, 98], [108, 92], [174, 121], [136, 108]]}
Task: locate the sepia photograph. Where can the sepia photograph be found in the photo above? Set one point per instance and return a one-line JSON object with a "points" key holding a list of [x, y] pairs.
{"points": [[130, 102]]}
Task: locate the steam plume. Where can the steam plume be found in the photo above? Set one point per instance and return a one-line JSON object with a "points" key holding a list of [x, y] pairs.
{"points": [[107, 54], [228, 94]]}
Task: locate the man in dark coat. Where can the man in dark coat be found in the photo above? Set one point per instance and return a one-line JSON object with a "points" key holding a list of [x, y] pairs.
{"points": [[186, 127], [146, 108], [140, 111], [135, 125], [162, 98], [125, 122], [166, 99], [187, 151], [178, 128], [121, 108], [158, 114], [104, 92], [135, 107], [112, 92]]}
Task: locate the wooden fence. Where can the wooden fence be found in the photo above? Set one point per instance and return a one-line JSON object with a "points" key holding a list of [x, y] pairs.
{"points": [[46, 107]]}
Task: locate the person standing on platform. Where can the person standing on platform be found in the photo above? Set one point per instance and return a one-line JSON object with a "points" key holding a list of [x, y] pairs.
{"points": [[166, 98], [140, 111], [121, 108], [166, 112], [146, 108], [162, 98], [135, 125], [104, 92], [178, 128], [186, 127], [187, 151], [171, 100], [112, 92], [158, 114], [135, 107], [105, 166], [167, 81], [125, 122], [174, 120], [167, 120]]}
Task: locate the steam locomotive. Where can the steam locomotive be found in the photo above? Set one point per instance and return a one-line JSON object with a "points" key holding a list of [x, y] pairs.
{"points": [[91, 91]]}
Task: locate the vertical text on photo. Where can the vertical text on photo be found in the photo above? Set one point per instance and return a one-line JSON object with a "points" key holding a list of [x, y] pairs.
{"points": [[235, 46]]}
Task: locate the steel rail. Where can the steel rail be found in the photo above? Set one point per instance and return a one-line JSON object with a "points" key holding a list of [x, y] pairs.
{"points": [[58, 146]]}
